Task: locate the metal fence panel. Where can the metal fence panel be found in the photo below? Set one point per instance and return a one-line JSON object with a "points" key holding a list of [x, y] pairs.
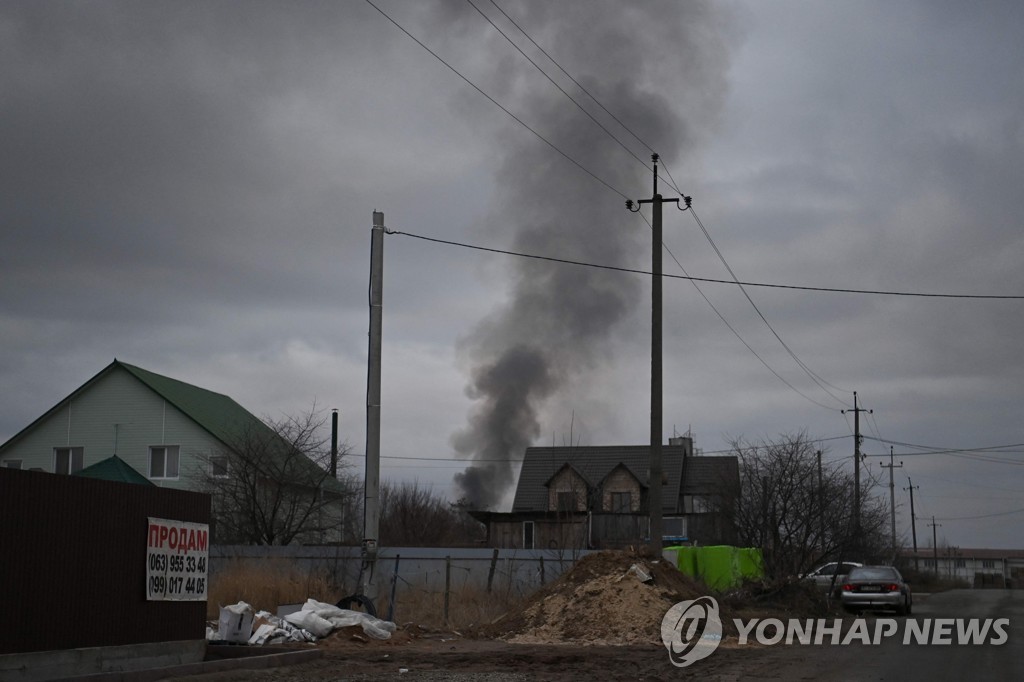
{"points": [[73, 563]]}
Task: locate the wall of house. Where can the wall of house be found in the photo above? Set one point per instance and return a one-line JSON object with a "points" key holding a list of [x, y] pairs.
{"points": [[620, 481], [567, 480], [117, 406], [570, 533]]}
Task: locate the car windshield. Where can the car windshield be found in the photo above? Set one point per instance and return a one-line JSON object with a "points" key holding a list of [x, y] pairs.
{"points": [[873, 573]]}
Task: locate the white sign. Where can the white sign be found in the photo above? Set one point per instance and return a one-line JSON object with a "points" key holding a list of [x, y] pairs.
{"points": [[177, 559]]}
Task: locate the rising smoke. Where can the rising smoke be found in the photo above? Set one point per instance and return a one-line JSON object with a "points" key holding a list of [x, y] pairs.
{"points": [[559, 326]]}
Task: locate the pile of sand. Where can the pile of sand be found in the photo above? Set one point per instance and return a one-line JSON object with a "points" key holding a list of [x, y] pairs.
{"points": [[600, 601]]}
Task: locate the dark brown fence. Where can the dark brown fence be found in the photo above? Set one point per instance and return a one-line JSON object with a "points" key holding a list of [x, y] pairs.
{"points": [[73, 563]]}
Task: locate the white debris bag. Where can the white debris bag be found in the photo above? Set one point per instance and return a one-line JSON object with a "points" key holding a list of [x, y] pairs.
{"points": [[319, 613], [235, 624], [308, 620]]}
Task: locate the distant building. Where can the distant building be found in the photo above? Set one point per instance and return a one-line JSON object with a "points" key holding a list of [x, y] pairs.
{"points": [[997, 568], [597, 497]]}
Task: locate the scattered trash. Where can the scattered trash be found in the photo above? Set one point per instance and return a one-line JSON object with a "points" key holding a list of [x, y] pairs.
{"points": [[402, 670], [309, 622], [235, 624], [642, 575]]}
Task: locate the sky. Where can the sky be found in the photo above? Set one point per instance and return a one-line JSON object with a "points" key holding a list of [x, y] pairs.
{"points": [[189, 187]]}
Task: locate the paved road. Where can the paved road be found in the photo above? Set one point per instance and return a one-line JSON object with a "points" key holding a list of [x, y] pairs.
{"points": [[893, 660]]}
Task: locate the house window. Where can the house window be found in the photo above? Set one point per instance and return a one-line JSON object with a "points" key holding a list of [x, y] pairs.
{"points": [[988, 563], [929, 563], [566, 501], [622, 503], [68, 460], [960, 563], [13, 464], [163, 461], [696, 504], [219, 466], [527, 534]]}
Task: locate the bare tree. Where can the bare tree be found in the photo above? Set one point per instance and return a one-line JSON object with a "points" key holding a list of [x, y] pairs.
{"points": [[415, 516], [800, 515], [271, 484]]}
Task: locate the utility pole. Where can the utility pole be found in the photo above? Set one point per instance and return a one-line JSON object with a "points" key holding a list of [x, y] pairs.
{"points": [[821, 505], [857, 439], [913, 519], [892, 499], [654, 496], [935, 544], [371, 502]]}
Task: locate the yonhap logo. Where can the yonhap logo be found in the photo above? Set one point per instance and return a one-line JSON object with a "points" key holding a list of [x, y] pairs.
{"points": [[691, 630]]}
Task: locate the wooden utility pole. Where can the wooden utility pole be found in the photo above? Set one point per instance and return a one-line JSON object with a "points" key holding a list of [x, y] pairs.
{"points": [[913, 519], [821, 504], [654, 495], [892, 499], [935, 545]]}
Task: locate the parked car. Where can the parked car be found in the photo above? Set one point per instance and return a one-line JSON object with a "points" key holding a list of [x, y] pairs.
{"points": [[822, 575], [876, 587]]}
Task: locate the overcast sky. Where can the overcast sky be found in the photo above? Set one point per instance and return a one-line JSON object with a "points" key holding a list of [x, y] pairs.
{"points": [[189, 187]]}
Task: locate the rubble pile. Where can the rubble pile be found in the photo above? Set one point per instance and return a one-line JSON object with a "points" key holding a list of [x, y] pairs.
{"points": [[608, 598]]}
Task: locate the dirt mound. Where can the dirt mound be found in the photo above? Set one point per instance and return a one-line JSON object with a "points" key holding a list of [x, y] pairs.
{"points": [[600, 601]]}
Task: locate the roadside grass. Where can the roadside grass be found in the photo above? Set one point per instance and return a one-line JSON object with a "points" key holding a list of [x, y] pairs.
{"points": [[273, 583]]}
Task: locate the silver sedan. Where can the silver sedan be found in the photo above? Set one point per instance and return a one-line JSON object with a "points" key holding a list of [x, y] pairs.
{"points": [[876, 587]]}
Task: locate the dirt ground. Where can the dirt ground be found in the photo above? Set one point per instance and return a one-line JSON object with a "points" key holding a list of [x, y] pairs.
{"points": [[599, 621]]}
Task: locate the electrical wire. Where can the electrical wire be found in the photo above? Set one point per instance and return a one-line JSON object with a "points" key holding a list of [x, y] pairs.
{"points": [[560, 88], [736, 333], [637, 271], [498, 104], [814, 377]]}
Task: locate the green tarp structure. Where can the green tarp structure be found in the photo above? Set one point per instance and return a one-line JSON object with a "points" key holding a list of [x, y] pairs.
{"points": [[720, 567]]}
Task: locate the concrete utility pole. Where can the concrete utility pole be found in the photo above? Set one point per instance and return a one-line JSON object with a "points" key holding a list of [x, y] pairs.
{"points": [[892, 499], [857, 439], [654, 496], [913, 519], [371, 502]]}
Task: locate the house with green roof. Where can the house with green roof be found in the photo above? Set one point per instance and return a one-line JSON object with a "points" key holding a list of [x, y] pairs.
{"points": [[173, 434]]}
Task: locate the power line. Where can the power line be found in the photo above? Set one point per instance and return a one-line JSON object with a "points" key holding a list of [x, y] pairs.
{"points": [[544, 73], [498, 104], [932, 450], [737, 334], [710, 280], [980, 516], [814, 377]]}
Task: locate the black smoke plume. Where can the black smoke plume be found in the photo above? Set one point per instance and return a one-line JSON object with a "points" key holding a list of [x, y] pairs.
{"points": [[560, 324]]}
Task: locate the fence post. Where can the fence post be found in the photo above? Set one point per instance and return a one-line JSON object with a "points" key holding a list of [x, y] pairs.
{"points": [[542, 570], [447, 585], [394, 586], [490, 573]]}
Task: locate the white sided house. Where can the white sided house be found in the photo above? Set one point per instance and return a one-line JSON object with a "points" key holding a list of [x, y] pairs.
{"points": [[174, 434], [163, 428]]}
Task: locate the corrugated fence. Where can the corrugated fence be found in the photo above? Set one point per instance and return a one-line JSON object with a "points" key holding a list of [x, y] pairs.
{"points": [[73, 563]]}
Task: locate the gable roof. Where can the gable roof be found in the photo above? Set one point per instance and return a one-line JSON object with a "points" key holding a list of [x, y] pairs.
{"points": [[703, 474], [215, 413], [114, 469]]}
